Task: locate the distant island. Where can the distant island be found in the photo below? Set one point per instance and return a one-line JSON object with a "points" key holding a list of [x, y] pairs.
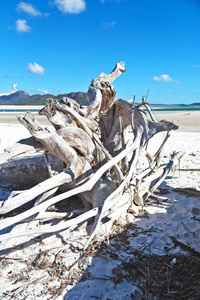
{"points": [[22, 98]]}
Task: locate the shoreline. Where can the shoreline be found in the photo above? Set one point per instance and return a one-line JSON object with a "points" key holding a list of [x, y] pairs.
{"points": [[188, 121], [11, 118], [21, 107]]}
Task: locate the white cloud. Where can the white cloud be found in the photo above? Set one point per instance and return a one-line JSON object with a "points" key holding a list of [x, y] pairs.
{"points": [[196, 66], [29, 9], [35, 68], [165, 78], [9, 76], [38, 91], [41, 91], [70, 6], [21, 26], [109, 24]]}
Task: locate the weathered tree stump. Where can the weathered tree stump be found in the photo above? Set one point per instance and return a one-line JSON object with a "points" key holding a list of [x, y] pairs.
{"points": [[96, 159]]}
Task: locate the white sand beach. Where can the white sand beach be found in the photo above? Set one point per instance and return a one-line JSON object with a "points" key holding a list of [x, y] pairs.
{"points": [[10, 117], [186, 120], [45, 267]]}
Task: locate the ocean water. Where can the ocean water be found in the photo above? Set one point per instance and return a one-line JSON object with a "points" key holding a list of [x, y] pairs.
{"points": [[154, 108], [18, 110], [174, 108]]}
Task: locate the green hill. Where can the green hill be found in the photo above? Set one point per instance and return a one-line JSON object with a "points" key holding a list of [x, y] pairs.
{"points": [[13, 98], [38, 99]]}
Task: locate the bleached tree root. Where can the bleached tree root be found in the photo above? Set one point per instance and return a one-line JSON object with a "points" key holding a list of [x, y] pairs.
{"points": [[81, 189], [98, 163], [55, 228], [22, 147], [24, 197]]}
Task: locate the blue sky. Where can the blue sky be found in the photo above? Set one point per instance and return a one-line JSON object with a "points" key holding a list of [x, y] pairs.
{"points": [[59, 46]]}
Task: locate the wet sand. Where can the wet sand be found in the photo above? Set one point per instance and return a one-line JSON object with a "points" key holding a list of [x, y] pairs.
{"points": [[186, 120], [11, 118]]}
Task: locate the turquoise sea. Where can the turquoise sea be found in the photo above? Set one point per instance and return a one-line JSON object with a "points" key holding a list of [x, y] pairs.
{"points": [[174, 108], [18, 110], [161, 108]]}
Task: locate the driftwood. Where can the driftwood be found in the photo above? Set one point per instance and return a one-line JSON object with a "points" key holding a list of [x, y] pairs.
{"points": [[98, 148]]}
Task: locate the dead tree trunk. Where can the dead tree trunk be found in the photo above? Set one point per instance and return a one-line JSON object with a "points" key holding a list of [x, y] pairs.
{"points": [[99, 163]]}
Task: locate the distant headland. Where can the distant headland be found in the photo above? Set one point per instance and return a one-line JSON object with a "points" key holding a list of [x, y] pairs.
{"points": [[22, 98]]}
